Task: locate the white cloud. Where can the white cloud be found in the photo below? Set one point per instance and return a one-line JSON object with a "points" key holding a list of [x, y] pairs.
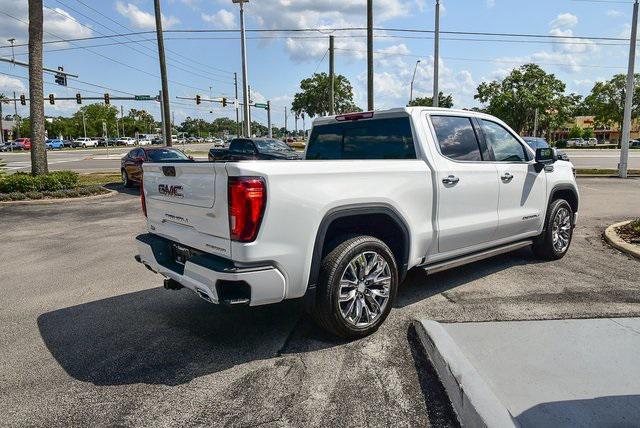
{"points": [[143, 20], [614, 13], [56, 21], [9, 84], [564, 20], [221, 19]]}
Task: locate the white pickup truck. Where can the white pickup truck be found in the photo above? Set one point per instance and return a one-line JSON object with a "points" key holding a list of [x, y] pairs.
{"points": [[377, 194]]}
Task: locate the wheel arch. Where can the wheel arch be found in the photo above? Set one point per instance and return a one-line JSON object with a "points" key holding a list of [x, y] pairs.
{"points": [[337, 219], [567, 192]]}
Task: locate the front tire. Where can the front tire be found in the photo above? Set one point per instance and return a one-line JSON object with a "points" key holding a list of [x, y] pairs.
{"points": [[126, 180], [357, 287], [554, 242]]}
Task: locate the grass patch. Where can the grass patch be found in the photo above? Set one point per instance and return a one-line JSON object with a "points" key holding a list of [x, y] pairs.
{"points": [[604, 171], [99, 178]]}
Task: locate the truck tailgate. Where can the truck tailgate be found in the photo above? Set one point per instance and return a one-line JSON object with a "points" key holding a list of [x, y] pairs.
{"points": [[187, 203]]}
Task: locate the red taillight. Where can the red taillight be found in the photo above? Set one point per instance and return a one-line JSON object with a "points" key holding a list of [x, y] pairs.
{"points": [[247, 200], [142, 199]]}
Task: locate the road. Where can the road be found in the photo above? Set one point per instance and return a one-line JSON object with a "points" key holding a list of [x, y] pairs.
{"points": [[92, 160], [89, 337]]}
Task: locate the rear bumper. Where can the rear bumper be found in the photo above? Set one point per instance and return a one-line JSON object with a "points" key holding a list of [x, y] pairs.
{"points": [[208, 275]]}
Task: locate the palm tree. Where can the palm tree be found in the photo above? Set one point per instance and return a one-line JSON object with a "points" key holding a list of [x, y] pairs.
{"points": [[36, 93]]}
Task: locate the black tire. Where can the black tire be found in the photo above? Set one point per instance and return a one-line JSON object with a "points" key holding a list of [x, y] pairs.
{"points": [[126, 180], [543, 246], [327, 311]]}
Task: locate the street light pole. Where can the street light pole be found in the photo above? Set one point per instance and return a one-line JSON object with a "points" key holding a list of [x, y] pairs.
{"points": [[163, 74], [245, 83], [412, 79], [332, 78], [370, 75], [436, 56], [235, 83], [628, 102], [84, 124]]}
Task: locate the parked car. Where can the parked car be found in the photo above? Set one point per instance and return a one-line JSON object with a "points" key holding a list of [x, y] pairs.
{"points": [[634, 143], [24, 142], [54, 143], [378, 194], [11, 146], [157, 141], [540, 143], [127, 141], [576, 142], [67, 144], [131, 163], [144, 141], [85, 142], [254, 148]]}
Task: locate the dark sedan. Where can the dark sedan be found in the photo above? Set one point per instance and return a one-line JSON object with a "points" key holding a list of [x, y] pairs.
{"points": [[131, 164]]}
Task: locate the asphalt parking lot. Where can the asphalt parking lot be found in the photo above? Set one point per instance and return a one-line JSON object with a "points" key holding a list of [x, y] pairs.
{"points": [[91, 338]]}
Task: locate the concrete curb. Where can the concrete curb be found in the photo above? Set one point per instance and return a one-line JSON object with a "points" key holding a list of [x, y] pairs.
{"points": [[618, 243], [60, 200], [474, 402]]}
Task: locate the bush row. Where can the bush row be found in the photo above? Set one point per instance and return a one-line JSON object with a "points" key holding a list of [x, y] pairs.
{"points": [[56, 194], [22, 182]]}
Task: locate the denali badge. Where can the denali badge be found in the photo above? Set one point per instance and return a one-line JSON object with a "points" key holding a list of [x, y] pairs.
{"points": [[175, 191]]}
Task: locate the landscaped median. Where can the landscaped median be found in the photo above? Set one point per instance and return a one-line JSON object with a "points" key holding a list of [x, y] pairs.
{"points": [[625, 236], [54, 185]]}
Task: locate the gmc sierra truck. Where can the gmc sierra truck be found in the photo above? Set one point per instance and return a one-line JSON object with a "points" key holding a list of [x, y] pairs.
{"points": [[377, 193]]}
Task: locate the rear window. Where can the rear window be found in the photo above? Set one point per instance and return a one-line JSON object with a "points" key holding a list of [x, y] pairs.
{"points": [[369, 139], [160, 155]]}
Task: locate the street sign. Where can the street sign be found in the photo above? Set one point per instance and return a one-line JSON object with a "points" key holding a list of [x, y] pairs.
{"points": [[260, 105], [61, 78], [142, 97]]}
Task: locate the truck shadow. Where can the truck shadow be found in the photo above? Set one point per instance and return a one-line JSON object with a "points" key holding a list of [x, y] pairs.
{"points": [[159, 337]]}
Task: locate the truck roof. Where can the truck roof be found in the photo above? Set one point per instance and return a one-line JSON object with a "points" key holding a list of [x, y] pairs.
{"points": [[392, 112]]}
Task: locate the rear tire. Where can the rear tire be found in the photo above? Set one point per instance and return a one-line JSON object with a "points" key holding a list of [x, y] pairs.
{"points": [[357, 287], [553, 243]]}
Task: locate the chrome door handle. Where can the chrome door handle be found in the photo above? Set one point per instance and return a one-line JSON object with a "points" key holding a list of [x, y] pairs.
{"points": [[506, 177], [451, 179]]}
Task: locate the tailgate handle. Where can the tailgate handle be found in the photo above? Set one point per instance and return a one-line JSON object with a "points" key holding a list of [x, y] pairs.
{"points": [[169, 171]]}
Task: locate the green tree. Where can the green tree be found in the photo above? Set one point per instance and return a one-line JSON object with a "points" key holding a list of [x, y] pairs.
{"points": [[587, 133], [515, 98], [606, 100], [575, 132], [94, 115], [139, 121], [443, 101], [314, 98]]}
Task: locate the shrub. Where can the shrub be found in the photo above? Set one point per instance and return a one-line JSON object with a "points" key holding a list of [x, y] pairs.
{"points": [[68, 179], [49, 183], [34, 195], [18, 182], [17, 196], [561, 144]]}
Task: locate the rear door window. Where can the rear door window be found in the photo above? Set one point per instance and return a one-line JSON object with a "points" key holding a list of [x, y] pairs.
{"points": [[457, 138], [369, 139]]}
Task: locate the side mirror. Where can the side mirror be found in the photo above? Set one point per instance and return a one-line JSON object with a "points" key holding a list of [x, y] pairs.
{"points": [[546, 156], [190, 157]]}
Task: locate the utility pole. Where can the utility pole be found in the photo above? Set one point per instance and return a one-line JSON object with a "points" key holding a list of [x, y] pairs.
{"points": [[36, 92], [296, 125], [15, 115], [332, 78], [235, 83], [249, 109], [245, 84], [1, 127], [269, 119], [163, 73], [122, 119], [535, 123], [84, 124], [628, 102], [436, 56], [162, 118], [285, 123], [370, 55], [412, 79]]}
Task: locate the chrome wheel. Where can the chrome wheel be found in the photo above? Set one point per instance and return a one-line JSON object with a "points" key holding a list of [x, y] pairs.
{"points": [[561, 230], [364, 289]]}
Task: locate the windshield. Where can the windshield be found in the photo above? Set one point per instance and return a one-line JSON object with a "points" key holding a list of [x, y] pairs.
{"points": [[166, 155], [272, 146]]}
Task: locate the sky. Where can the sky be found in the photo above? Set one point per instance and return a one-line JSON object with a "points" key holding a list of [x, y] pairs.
{"points": [[204, 62]]}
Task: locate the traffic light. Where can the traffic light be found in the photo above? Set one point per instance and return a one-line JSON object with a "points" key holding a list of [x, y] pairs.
{"points": [[197, 99], [23, 100], [61, 79], [78, 98], [224, 102], [106, 99], [52, 99]]}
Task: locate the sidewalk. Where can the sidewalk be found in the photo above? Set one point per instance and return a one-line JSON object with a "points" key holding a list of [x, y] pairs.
{"points": [[539, 373]]}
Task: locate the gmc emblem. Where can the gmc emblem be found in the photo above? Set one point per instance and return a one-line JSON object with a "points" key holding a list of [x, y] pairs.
{"points": [[174, 191]]}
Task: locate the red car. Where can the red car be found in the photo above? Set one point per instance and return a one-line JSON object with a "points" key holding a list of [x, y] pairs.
{"points": [[24, 142], [131, 164]]}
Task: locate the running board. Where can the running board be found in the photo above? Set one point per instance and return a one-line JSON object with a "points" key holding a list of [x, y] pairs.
{"points": [[470, 258]]}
